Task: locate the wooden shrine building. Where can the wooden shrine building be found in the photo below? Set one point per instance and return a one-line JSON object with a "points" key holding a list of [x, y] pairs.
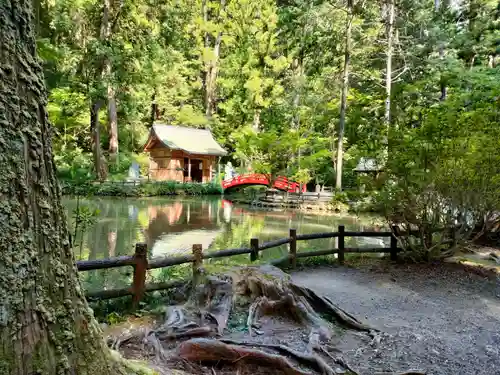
{"points": [[182, 154]]}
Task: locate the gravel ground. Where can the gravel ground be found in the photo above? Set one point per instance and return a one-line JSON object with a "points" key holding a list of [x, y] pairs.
{"points": [[440, 319]]}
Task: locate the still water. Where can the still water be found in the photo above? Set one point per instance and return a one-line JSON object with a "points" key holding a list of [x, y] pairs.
{"points": [[172, 226]]}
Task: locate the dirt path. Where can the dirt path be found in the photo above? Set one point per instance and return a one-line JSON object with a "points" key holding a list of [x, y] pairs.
{"points": [[440, 319]]}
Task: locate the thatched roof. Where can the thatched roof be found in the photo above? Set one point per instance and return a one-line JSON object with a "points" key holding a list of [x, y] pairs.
{"points": [[190, 140]]}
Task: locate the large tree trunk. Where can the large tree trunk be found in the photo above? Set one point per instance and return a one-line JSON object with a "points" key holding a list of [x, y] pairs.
{"points": [[46, 326], [388, 70], [345, 91]]}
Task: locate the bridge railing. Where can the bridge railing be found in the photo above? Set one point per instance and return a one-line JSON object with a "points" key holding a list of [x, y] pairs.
{"points": [[141, 264], [281, 182]]}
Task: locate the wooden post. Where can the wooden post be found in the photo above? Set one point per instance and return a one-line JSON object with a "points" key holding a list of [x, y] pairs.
{"points": [[140, 268], [197, 263], [453, 236], [254, 245], [293, 248], [341, 255], [394, 242], [189, 169]]}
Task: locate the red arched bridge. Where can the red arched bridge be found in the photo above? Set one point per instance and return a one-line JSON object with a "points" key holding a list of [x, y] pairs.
{"points": [[281, 183]]}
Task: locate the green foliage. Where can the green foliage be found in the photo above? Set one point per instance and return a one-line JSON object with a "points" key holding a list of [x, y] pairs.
{"points": [[340, 197], [445, 172], [277, 74], [83, 218], [140, 189]]}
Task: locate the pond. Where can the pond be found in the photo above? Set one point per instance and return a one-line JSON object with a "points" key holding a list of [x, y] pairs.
{"points": [[172, 226]]}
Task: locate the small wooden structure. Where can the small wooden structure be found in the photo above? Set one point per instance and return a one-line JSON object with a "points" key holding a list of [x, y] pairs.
{"points": [[182, 154], [368, 166]]}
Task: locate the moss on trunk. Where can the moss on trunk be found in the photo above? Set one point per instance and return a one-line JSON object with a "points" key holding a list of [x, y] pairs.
{"points": [[46, 326]]}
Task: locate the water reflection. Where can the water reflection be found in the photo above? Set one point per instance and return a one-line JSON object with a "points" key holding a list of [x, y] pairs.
{"points": [[172, 226]]}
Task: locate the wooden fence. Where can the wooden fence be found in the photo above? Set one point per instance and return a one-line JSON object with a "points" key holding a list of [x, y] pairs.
{"points": [[307, 196], [140, 262]]}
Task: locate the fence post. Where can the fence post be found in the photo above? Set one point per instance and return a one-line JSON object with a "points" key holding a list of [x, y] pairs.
{"points": [[394, 242], [293, 248], [140, 268], [197, 263], [341, 255], [254, 245]]}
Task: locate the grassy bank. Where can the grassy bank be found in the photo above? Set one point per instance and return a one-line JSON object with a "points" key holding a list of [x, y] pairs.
{"points": [[144, 189]]}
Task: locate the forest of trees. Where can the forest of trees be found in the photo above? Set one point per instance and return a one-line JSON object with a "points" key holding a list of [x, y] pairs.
{"points": [[335, 80], [303, 88], [415, 84]]}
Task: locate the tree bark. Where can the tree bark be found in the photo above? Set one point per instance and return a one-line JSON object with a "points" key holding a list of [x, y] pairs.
{"points": [[212, 65], [154, 109], [256, 120], [388, 69], [442, 84], [112, 118], [345, 91], [106, 73], [46, 326], [95, 128]]}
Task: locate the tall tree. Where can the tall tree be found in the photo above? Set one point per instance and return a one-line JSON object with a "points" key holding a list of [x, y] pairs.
{"points": [[46, 326], [389, 23], [212, 43], [107, 26], [438, 11], [345, 91]]}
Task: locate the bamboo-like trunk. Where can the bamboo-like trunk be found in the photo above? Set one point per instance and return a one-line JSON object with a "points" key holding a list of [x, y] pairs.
{"points": [[46, 326], [343, 100]]}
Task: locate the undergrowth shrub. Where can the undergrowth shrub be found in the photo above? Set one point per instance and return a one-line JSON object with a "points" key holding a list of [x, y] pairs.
{"points": [[144, 189]]}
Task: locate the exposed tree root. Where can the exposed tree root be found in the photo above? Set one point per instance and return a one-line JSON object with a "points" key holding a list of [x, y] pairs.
{"points": [[252, 315], [324, 305], [338, 360], [313, 361], [188, 333], [204, 350], [268, 292]]}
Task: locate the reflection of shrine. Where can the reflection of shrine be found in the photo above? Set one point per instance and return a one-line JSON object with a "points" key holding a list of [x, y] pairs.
{"points": [[179, 225]]}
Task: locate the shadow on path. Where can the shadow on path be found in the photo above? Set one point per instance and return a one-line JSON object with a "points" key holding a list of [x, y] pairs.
{"points": [[440, 318]]}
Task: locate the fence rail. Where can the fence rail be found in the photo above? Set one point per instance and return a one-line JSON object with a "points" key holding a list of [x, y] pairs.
{"points": [[140, 262]]}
